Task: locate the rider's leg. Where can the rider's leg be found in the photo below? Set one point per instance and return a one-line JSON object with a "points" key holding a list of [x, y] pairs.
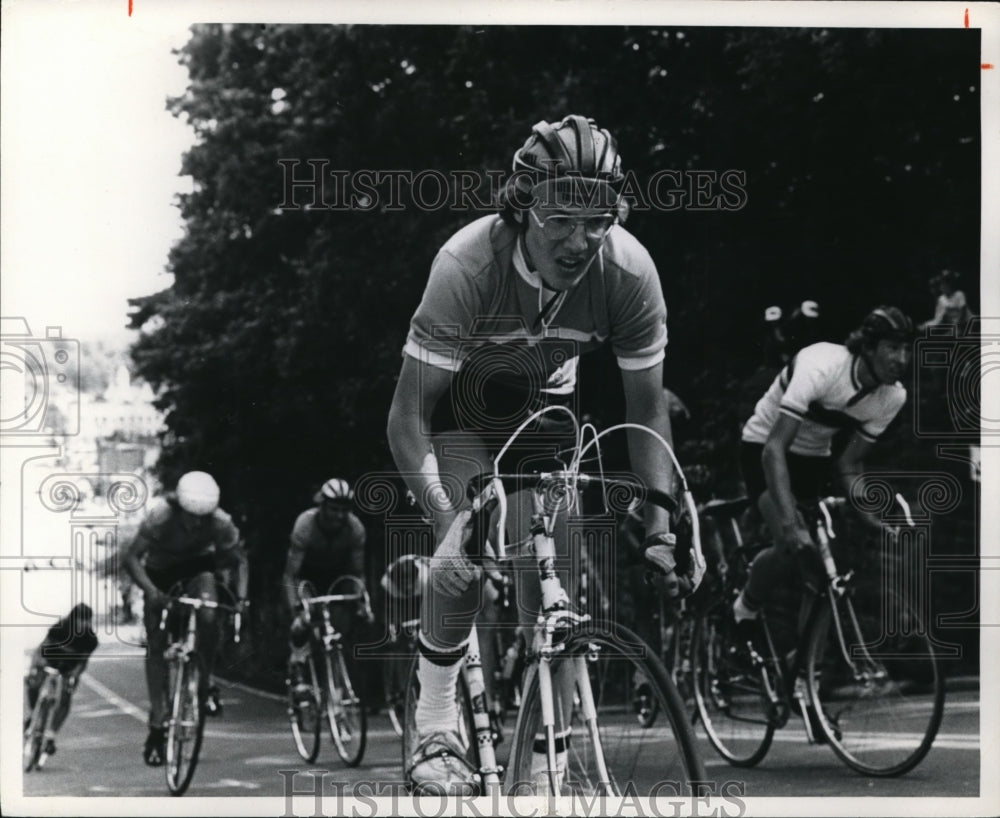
{"points": [[771, 568], [156, 666], [446, 619], [203, 586]]}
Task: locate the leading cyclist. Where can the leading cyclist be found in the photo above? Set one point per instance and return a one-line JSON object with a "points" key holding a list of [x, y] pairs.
{"points": [[512, 300], [185, 538], [786, 448]]}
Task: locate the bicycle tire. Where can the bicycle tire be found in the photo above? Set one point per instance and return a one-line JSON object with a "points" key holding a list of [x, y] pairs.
{"points": [[34, 738], [186, 726], [306, 714], [639, 760], [730, 702], [345, 712], [880, 703], [466, 726]]}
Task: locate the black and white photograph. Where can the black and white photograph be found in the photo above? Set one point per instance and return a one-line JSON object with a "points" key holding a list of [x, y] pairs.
{"points": [[566, 408]]}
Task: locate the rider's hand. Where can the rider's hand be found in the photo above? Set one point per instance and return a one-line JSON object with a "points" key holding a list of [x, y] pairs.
{"points": [[452, 572], [154, 597], [658, 554], [794, 537]]}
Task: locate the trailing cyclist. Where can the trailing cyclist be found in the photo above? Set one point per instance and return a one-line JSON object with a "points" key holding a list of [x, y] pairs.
{"points": [[185, 538], [66, 647], [327, 542], [512, 300], [786, 450]]}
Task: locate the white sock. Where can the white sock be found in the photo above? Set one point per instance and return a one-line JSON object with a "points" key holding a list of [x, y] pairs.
{"points": [[437, 707], [742, 611]]}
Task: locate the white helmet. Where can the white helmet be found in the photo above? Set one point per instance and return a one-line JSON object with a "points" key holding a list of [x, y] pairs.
{"points": [[198, 493], [335, 489]]}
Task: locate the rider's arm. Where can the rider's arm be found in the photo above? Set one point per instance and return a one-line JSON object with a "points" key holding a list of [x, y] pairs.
{"points": [[229, 550], [290, 578], [358, 538], [418, 390], [645, 404], [851, 471], [134, 566], [779, 486]]}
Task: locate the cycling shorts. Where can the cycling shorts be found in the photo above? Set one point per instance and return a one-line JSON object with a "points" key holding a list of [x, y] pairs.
{"points": [[808, 476]]}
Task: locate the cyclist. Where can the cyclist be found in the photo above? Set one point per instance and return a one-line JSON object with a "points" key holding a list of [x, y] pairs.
{"points": [[66, 647], [327, 542], [512, 300], [786, 445], [185, 538]]}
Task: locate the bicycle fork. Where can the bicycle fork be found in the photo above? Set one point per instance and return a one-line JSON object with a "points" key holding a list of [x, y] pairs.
{"points": [[488, 768]]}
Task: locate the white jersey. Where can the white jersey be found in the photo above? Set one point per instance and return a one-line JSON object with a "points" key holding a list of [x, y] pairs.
{"points": [[820, 388]]}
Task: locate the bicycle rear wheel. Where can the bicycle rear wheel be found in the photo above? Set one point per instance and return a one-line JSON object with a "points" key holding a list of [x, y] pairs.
{"points": [[187, 722], [345, 712], [305, 711], [614, 752], [34, 736], [873, 671], [731, 699]]}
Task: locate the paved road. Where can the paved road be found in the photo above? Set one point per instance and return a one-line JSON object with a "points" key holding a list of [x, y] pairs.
{"points": [[99, 751]]}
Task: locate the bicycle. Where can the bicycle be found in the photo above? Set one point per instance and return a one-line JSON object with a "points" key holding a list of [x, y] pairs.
{"points": [[575, 694], [863, 673], [38, 732], [187, 688], [326, 691]]}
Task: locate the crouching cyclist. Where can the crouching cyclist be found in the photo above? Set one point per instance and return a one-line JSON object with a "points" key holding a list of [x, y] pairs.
{"points": [[67, 648], [185, 538]]}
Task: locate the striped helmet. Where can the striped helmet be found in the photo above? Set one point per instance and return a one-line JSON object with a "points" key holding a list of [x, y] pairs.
{"points": [[335, 489]]}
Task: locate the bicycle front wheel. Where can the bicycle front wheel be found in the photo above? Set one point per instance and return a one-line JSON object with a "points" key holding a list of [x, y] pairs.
{"points": [[730, 698], [34, 736], [305, 710], [598, 743], [187, 722], [345, 712], [873, 672]]}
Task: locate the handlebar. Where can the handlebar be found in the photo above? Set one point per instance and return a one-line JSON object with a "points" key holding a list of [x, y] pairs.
{"points": [[197, 602]]}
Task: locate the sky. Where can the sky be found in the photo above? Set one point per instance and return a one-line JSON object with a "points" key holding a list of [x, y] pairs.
{"points": [[91, 161]]}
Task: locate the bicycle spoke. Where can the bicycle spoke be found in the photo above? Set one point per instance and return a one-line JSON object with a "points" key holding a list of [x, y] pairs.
{"points": [[344, 710]]}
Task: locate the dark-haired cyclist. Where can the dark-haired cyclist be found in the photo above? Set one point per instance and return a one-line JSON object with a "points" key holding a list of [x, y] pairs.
{"points": [[67, 647], [786, 445]]}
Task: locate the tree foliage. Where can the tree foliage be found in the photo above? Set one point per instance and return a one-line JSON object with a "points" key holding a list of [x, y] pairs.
{"points": [[276, 348]]}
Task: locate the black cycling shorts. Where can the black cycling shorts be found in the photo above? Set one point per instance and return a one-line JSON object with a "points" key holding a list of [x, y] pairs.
{"points": [[167, 578], [809, 476]]}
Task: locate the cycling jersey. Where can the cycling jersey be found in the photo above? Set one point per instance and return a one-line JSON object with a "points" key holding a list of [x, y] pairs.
{"points": [[820, 387], [176, 540], [65, 646], [481, 296], [327, 556]]}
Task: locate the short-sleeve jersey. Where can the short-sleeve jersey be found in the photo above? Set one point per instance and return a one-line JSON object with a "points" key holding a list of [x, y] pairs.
{"points": [[328, 556], [820, 388], [482, 295], [175, 539]]}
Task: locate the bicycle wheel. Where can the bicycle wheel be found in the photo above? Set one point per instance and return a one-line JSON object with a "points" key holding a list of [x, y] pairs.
{"points": [[34, 736], [345, 712], [878, 682], [305, 711], [187, 722], [605, 749], [731, 701], [466, 726]]}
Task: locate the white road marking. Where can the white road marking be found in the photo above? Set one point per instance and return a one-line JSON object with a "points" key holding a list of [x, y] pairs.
{"points": [[113, 698]]}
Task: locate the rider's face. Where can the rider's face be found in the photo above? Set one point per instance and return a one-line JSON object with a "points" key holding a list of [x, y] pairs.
{"points": [[889, 360], [332, 515], [561, 262]]}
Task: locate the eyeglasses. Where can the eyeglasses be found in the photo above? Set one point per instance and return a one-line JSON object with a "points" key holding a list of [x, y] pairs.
{"points": [[558, 226]]}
